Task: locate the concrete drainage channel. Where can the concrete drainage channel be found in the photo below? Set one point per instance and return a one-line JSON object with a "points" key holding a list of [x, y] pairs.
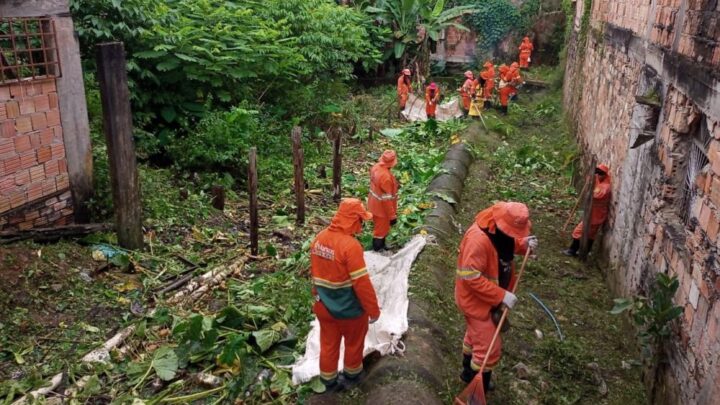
{"points": [[420, 375]]}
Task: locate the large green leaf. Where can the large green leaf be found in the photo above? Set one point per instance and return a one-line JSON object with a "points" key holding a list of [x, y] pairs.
{"points": [[165, 363], [399, 49]]}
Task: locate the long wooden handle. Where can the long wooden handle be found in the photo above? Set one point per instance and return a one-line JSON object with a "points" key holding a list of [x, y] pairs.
{"points": [[472, 387], [577, 204]]}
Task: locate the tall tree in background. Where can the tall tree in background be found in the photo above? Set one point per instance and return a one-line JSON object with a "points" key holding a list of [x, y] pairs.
{"points": [[414, 23]]}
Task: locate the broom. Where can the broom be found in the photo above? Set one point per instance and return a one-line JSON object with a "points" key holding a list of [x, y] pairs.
{"points": [[474, 393]]}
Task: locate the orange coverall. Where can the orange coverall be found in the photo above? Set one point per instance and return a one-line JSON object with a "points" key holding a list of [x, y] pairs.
{"points": [[403, 91], [600, 207], [477, 290], [345, 297], [489, 76], [466, 92], [526, 48], [511, 77], [382, 199], [431, 102]]}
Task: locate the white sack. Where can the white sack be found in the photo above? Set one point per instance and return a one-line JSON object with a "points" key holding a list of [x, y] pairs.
{"points": [[389, 276], [415, 109]]}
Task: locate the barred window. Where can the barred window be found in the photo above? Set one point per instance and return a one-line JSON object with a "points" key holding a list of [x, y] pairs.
{"points": [[28, 49], [696, 161]]}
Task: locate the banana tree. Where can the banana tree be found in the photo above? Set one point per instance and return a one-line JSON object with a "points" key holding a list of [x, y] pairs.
{"points": [[414, 24]]}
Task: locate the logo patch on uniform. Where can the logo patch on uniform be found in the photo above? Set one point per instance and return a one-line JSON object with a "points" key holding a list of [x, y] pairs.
{"points": [[323, 251]]}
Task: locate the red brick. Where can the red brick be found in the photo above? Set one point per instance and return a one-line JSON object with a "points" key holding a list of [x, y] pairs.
{"points": [[22, 144], [62, 166], [34, 191], [4, 92], [49, 86], [713, 228], [16, 90], [42, 103], [27, 107], [8, 129], [39, 121], [3, 112], [715, 191], [22, 177], [44, 154], [53, 118], [58, 151], [12, 108], [40, 222], [37, 173], [49, 186], [51, 168], [6, 147], [715, 161], [53, 101], [7, 183], [28, 160], [46, 136], [11, 165], [24, 226], [58, 132], [4, 203], [704, 217], [60, 205], [62, 182], [23, 124], [32, 88]]}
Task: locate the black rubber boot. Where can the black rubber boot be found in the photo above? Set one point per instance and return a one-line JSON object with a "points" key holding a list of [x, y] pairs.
{"points": [[504, 109], [573, 249], [378, 244], [468, 373], [488, 385], [487, 105], [334, 386], [349, 382]]}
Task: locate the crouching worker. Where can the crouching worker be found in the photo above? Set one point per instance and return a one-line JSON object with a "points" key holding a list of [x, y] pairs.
{"points": [[382, 198], [485, 277], [602, 191], [432, 98], [345, 297]]}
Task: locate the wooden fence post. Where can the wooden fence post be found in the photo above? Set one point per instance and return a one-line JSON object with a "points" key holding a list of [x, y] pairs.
{"points": [[337, 166], [252, 191], [298, 165], [117, 125]]}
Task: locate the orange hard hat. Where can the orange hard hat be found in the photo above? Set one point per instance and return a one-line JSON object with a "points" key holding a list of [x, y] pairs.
{"points": [[406, 72], [514, 64], [512, 218], [526, 39], [433, 86], [469, 74], [389, 158], [603, 168], [488, 64], [352, 208]]}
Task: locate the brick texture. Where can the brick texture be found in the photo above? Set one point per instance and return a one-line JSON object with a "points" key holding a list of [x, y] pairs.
{"points": [[33, 168]]}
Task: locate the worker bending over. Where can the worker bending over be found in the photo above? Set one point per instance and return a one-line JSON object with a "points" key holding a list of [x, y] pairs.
{"points": [[345, 300], [485, 277], [526, 48], [602, 191], [488, 75], [510, 79], [404, 88], [432, 98], [382, 198]]}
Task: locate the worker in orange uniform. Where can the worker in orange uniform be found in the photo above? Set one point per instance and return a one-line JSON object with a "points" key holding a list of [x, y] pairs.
{"points": [[432, 98], [404, 87], [382, 198], [515, 79], [485, 277], [526, 48], [510, 78], [602, 192], [345, 300], [488, 75], [467, 90]]}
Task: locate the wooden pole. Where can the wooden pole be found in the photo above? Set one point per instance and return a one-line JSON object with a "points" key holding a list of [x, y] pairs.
{"points": [[117, 125], [587, 213], [252, 192], [337, 166], [298, 165]]}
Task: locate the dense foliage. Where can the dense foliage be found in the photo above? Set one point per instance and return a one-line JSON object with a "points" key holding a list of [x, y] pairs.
{"points": [[496, 19]]}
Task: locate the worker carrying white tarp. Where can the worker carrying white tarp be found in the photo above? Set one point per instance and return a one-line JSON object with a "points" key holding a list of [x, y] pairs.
{"points": [[389, 276], [415, 109]]}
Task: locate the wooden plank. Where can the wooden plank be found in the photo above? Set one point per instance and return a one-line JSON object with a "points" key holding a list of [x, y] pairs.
{"points": [[117, 125], [298, 166], [33, 8], [252, 192], [337, 166]]}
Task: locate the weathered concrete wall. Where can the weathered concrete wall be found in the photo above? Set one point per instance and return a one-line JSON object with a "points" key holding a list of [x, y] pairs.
{"points": [[668, 51]]}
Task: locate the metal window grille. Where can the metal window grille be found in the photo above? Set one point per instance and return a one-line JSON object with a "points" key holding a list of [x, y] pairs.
{"points": [[697, 160], [28, 49]]}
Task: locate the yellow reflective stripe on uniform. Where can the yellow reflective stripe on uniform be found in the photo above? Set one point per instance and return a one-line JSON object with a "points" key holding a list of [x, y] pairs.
{"points": [[331, 284], [354, 275], [471, 274]]}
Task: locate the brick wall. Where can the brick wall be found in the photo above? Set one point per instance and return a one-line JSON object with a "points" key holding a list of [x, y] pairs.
{"points": [[668, 48], [34, 182]]}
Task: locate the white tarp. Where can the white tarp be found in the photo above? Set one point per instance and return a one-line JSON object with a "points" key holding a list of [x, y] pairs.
{"points": [[389, 276], [415, 109]]}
